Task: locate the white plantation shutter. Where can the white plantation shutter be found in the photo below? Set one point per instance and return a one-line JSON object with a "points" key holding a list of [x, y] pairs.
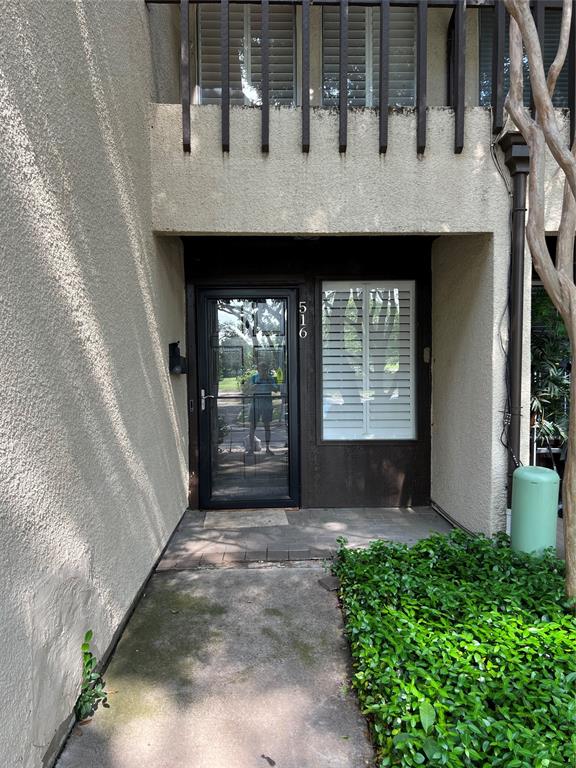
{"points": [[364, 56], [368, 375], [402, 56], [282, 37], [209, 54], [245, 54]]}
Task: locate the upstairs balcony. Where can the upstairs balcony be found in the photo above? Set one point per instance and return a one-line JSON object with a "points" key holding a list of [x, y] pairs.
{"points": [[317, 112], [347, 54]]}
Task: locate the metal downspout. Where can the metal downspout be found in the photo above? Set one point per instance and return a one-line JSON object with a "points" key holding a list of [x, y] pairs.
{"points": [[516, 157]]}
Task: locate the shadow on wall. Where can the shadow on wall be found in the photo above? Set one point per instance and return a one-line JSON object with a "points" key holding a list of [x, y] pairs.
{"points": [[94, 463]]}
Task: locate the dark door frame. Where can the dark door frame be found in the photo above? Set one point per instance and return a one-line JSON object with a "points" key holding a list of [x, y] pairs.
{"points": [[211, 262], [204, 489]]}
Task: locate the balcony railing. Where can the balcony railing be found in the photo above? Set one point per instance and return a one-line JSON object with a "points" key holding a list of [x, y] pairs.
{"points": [[456, 64]]}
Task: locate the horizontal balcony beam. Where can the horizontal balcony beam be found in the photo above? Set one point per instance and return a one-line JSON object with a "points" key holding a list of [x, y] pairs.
{"points": [[393, 3]]}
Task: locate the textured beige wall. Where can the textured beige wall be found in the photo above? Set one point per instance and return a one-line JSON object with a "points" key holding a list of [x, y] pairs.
{"points": [[92, 428], [468, 461], [323, 192], [164, 25], [469, 336]]}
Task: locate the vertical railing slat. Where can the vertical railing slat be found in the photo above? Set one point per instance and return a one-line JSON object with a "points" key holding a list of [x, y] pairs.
{"points": [[384, 73], [225, 73], [185, 72], [572, 75], [343, 101], [265, 52], [421, 75], [305, 75], [498, 67], [460, 73]]}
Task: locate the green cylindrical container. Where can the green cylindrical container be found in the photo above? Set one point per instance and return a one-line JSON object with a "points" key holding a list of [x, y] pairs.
{"points": [[534, 508]]}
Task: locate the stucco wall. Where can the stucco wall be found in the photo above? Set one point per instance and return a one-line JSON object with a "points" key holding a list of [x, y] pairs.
{"points": [[92, 428], [323, 192], [468, 460], [164, 24]]}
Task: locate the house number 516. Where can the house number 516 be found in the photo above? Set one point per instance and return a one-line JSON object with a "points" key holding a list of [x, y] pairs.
{"points": [[302, 308]]}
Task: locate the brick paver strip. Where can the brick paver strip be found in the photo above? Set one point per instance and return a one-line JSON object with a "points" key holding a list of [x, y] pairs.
{"points": [[299, 554], [255, 555], [320, 554], [182, 563], [277, 555], [234, 557], [212, 558]]}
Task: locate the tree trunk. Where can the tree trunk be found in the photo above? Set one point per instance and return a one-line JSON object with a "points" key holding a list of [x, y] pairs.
{"points": [[569, 484]]}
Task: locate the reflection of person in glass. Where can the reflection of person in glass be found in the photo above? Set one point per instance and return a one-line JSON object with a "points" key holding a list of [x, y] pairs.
{"points": [[262, 384]]}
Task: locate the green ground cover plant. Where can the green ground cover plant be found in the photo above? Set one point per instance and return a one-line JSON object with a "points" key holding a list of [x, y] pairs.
{"points": [[464, 652], [92, 690]]}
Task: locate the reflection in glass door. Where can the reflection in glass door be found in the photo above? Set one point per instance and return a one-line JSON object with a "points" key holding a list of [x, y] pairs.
{"points": [[246, 389]]}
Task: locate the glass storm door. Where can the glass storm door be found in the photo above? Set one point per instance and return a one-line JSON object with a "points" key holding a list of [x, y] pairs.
{"points": [[247, 397]]}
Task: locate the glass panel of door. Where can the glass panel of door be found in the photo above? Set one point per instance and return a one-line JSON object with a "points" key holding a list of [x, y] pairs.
{"points": [[245, 400]]}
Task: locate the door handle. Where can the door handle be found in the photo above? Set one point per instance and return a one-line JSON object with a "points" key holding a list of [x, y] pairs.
{"points": [[204, 397]]}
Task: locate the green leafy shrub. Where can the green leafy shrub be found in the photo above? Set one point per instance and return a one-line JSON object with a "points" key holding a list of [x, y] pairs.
{"points": [[464, 652], [92, 692], [550, 347]]}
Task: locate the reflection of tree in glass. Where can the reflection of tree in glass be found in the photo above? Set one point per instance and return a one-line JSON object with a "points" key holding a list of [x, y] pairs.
{"points": [[385, 319], [255, 326]]}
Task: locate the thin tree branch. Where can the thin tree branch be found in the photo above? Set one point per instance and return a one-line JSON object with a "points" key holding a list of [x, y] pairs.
{"points": [[535, 225], [566, 232], [545, 115], [534, 137], [515, 98]]}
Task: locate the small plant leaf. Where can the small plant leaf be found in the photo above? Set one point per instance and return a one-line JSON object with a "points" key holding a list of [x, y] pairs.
{"points": [[92, 691], [431, 748], [427, 715], [400, 738]]}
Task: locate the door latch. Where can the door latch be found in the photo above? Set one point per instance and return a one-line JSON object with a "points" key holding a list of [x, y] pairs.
{"points": [[204, 397]]}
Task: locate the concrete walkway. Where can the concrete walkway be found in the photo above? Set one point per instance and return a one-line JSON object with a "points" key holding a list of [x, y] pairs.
{"points": [[235, 663], [238, 535], [235, 656], [228, 668]]}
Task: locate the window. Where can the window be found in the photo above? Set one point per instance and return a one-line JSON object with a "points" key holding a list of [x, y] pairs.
{"points": [[368, 382], [245, 55], [552, 20], [364, 56]]}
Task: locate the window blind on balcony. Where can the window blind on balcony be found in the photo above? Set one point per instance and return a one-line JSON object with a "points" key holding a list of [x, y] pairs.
{"points": [[552, 19], [245, 54], [368, 367], [364, 56]]}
